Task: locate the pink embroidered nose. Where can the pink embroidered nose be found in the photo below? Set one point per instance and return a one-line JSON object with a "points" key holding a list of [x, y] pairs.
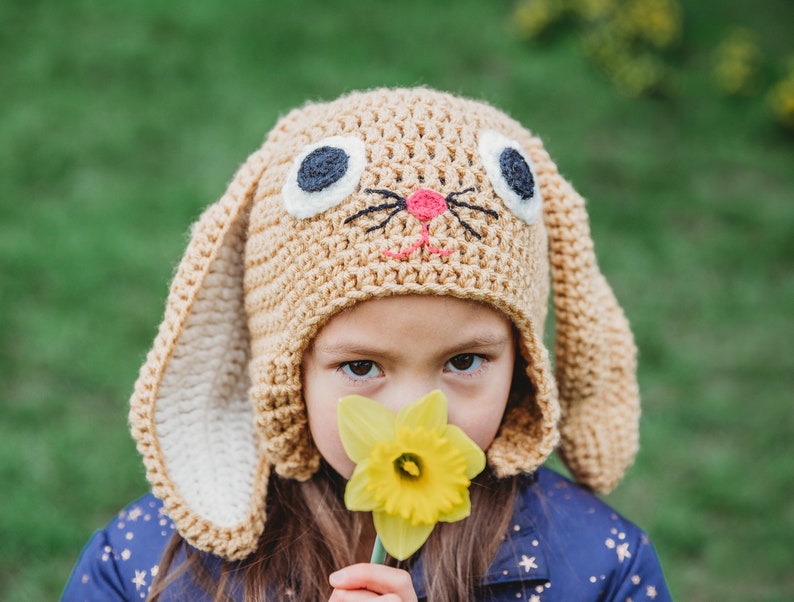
{"points": [[425, 204]]}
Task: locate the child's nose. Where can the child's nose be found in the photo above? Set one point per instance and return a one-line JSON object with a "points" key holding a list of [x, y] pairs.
{"points": [[406, 392], [425, 204]]}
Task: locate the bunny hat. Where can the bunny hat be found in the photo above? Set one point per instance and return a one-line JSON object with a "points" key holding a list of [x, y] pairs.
{"points": [[384, 192]]}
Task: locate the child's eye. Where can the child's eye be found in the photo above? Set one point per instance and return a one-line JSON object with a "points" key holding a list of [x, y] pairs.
{"points": [[465, 362], [361, 369]]}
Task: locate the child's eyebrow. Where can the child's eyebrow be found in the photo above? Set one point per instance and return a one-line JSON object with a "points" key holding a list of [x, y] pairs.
{"points": [[342, 348], [484, 342], [480, 342]]}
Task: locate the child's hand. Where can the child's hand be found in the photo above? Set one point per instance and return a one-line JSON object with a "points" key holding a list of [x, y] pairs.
{"points": [[372, 582]]}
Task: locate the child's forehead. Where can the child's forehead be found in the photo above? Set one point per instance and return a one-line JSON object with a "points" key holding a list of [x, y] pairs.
{"points": [[425, 311], [413, 329]]}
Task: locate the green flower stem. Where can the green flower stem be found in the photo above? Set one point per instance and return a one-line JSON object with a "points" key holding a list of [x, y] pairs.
{"points": [[378, 552]]}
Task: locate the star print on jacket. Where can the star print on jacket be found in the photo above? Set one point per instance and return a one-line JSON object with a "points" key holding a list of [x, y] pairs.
{"points": [[563, 544]]}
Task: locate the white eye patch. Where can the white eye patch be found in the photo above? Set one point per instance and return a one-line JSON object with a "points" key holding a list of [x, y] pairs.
{"points": [[511, 173], [323, 175]]}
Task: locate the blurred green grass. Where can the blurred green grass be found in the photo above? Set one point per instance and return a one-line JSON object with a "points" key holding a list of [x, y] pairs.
{"points": [[122, 119]]}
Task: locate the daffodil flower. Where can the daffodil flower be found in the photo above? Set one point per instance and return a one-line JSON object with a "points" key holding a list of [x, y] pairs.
{"points": [[412, 468]]}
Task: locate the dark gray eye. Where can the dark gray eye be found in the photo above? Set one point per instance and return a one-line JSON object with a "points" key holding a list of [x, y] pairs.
{"points": [[321, 168], [511, 173], [323, 175]]}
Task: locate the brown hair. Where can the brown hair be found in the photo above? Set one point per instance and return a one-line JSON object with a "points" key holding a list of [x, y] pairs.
{"points": [[311, 534]]}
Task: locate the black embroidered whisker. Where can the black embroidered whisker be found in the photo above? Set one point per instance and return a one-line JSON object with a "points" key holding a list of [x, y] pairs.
{"points": [[385, 192], [452, 201], [490, 212], [451, 196], [399, 204], [467, 227], [387, 220]]}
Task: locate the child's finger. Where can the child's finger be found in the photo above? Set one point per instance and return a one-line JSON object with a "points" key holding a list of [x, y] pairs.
{"points": [[375, 578]]}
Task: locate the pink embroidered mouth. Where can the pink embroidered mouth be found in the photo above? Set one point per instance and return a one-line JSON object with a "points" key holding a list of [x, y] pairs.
{"points": [[424, 241], [424, 205]]}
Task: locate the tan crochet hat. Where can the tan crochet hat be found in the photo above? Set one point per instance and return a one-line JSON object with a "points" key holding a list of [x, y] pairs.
{"points": [[388, 192]]}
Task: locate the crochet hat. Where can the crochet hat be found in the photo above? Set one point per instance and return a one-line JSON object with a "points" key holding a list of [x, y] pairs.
{"points": [[386, 192]]}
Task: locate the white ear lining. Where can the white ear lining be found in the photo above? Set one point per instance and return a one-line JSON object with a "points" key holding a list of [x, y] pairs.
{"points": [[203, 418]]}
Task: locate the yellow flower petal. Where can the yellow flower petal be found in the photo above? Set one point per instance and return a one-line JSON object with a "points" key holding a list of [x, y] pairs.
{"points": [[400, 537], [471, 452], [363, 423], [358, 496], [412, 469], [429, 413], [459, 512]]}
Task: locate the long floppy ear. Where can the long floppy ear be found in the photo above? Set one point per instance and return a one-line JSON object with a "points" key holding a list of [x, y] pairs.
{"points": [[190, 413], [594, 349]]}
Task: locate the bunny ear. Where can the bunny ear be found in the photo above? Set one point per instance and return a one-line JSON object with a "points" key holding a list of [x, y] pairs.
{"points": [[594, 349], [190, 413]]}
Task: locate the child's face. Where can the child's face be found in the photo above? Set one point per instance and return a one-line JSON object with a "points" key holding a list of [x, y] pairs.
{"points": [[397, 349]]}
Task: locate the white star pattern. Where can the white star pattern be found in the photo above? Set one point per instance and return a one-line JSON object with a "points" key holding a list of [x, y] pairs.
{"points": [[623, 551], [139, 580], [527, 563], [138, 525]]}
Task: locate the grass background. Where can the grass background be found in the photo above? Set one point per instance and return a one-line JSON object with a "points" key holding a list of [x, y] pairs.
{"points": [[120, 120]]}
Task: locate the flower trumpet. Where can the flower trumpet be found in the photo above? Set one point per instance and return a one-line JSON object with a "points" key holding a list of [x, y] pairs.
{"points": [[412, 468]]}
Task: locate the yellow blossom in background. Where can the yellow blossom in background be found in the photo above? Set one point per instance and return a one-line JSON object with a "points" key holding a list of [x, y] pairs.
{"points": [[655, 21], [635, 76], [412, 468], [633, 44], [625, 39], [738, 59], [781, 98], [532, 18], [591, 10]]}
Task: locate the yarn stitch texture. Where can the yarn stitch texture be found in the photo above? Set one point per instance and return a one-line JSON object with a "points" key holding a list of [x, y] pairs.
{"points": [[423, 193]]}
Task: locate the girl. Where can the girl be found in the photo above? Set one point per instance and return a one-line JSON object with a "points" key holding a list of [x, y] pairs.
{"points": [[387, 244]]}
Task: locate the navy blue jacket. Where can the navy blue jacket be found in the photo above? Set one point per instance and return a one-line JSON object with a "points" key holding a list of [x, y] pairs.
{"points": [[564, 544]]}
